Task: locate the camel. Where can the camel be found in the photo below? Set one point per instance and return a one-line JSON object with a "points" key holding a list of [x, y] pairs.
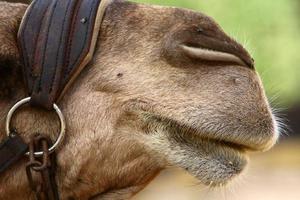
{"points": [[166, 87]]}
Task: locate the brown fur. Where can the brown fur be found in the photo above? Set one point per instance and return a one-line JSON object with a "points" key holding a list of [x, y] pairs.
{"points": [[9, 60], [141, 105]]}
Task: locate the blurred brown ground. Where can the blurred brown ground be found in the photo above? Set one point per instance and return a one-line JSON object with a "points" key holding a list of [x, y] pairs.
{"points": [[273, 175]]}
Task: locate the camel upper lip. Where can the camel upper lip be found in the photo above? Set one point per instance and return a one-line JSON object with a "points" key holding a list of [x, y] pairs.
{"points": [[235, 142], [245, 145], [238, 143]]}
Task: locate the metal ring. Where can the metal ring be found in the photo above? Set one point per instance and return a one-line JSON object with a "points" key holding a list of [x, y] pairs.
{"points": [[59, 114]]}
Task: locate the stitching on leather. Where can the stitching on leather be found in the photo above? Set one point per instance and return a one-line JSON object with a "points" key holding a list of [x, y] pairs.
{"points": [[44, 53], [70, 41], [85, 37], [25, 54], [38, 35], [57, 54]]}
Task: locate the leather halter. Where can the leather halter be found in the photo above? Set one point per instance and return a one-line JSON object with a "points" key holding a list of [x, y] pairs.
{"points": [[57, 39]]}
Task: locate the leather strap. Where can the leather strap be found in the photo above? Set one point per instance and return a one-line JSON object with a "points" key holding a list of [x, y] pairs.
{"points": [[57, 39], [12, 149]]}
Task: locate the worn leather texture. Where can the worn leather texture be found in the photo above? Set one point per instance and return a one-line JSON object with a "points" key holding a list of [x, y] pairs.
{"points": [[12, 149], [55, 38]]}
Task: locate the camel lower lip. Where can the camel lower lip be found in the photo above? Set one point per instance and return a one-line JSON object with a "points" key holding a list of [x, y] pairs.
{"points": [[230, 159], [215, 163]]}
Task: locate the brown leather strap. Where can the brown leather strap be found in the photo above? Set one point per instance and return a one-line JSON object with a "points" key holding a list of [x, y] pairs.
{"points": [[12, 149], [57, 39]]}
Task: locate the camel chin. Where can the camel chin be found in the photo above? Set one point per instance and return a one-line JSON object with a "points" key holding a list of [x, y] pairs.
{"points": [[218, 164], [213, 162]]}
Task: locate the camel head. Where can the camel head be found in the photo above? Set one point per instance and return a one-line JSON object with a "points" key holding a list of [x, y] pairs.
{"points": [[166, 87]]}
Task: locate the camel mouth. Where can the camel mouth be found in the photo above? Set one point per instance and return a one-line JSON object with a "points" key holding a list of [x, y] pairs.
{"points": [[217, 162], [213, 162], [231, 161]]}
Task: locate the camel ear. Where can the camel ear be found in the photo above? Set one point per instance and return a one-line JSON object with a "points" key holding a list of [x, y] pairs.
{"points": [[10, 18]]}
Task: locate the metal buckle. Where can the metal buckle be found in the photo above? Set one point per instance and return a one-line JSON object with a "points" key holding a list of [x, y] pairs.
{"points": [[59, 114]]}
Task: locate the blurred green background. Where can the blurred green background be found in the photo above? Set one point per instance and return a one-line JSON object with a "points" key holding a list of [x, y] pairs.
{"points": [[269, 29]]}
